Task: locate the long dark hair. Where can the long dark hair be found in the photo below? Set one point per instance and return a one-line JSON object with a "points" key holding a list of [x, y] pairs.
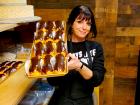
{"points": [[82, 12]]}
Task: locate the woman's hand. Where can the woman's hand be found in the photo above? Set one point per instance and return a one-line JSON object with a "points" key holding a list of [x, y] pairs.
{"points": [[74, 62]]}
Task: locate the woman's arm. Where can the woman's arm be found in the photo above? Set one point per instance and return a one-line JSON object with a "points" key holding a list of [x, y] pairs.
{"points": [[93, 76], [98, 68]]}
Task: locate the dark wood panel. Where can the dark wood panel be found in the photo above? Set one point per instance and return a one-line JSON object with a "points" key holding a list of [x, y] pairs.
{"points": [[125, 40], [137, 40], [123, 20], [127, 20], [128, 13], [125, 72], [126, 61], [61, 4], [124, 91], [128, 31]]}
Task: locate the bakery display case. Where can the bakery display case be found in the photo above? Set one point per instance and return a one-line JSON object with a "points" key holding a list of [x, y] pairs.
{"points": [[13, 82]]}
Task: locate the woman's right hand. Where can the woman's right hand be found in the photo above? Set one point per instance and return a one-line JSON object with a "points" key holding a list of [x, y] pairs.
{"points": [[73, 62]]}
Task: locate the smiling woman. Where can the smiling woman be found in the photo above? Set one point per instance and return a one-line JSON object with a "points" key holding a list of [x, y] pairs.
{"points": [[85, 70], [80, 29]]}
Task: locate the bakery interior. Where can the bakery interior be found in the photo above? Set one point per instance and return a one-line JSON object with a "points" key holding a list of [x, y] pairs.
{"points": [[118, 24]]}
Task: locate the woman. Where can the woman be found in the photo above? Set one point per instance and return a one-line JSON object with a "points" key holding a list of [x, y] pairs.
{"points": [[86, 61]]}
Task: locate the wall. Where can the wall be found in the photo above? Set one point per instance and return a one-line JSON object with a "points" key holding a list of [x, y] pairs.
{"points": [[118, 23]]}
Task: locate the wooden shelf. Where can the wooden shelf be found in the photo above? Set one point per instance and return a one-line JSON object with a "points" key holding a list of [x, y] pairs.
{"points": [[19, 20], [4, 27], [7, 24], [13, 89]]}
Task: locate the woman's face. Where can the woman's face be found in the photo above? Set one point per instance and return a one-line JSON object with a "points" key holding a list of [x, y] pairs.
{"points": [[80, 29]]}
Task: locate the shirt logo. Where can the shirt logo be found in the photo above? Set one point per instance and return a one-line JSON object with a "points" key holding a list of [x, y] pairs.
{"points": [[84, 57]]}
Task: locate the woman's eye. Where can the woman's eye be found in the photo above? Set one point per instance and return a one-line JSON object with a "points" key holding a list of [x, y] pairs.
{"points": [[79, 21], [89, 24]]}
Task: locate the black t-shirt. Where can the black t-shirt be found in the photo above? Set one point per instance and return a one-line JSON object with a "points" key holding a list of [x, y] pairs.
{"points": [[73, 85], [83, 51]]}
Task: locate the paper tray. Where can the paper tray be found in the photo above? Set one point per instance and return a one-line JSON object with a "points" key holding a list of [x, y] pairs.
{"points": [[48, 56], [48, 74]]}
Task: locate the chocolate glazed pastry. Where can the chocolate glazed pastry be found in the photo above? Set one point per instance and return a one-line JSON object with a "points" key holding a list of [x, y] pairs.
{"points": [[40, 31], [60, 25], [4, 63], [60, 62], [2, 75], [59, 35], [45, 35], [48, 48], [7, 71], [16, 64], [51, 25], [40, 25], [46, 64], [38, 35], [2, 69], [10, 63], [34, 64], [6, 68], [60, 46], [38, 49]]}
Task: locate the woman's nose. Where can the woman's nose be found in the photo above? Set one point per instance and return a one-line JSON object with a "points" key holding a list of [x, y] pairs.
{"points": [[84, 25]]}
